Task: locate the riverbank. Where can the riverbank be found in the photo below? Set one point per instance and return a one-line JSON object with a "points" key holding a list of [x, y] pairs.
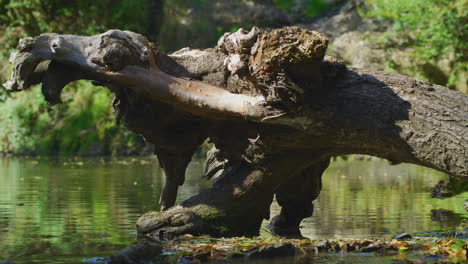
{"points": [[402, 248]]}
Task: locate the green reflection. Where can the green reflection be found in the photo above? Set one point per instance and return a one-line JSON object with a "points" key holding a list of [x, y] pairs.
{"points": [[76, 208], [372, 198], [64, 210]]}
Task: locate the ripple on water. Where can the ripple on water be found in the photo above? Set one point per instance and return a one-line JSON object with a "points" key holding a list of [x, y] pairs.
{"points": [[72, 215]]}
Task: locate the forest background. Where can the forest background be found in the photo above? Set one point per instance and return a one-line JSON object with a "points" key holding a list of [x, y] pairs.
{"points": [[420, 38]]}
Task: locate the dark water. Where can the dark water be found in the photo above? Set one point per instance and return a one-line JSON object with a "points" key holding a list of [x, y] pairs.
{"points": [[74, 210]]}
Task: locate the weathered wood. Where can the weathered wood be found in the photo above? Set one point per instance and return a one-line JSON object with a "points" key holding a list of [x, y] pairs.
{"points": [[295, 198], [272, 103]]}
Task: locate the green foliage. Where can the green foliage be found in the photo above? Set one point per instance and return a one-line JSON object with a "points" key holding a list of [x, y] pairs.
{"points": [[284, 4], [20, 18], [84, 124], [20, 118], [436, 30], [315, 7]]}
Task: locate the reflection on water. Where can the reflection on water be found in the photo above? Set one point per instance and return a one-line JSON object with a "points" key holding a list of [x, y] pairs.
{"points": [[69, 210], [370, 198]]}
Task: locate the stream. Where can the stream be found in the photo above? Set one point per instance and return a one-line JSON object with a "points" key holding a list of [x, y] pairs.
{"points": [[77, 210]]}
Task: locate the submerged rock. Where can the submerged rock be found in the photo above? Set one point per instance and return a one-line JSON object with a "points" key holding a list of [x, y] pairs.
{"points": [[273, 251], [144, 251], [403, 236], [372, 247]]}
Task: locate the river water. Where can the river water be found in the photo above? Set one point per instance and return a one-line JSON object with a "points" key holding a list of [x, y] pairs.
{"points": [[74, 210]]}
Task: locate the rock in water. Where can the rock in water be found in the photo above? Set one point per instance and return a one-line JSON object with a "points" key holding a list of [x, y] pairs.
{"points": [[273, 251], [403, 236]]}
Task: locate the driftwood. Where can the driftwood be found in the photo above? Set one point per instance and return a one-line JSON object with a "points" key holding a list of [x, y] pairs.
{"points": [[275, 107]]}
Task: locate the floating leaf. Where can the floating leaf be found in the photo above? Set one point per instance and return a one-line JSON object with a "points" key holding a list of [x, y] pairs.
{"points": [[457, 245], [399, 245]]}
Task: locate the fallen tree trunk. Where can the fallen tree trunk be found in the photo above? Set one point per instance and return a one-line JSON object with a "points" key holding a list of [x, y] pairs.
{"points": [[273, 104]]}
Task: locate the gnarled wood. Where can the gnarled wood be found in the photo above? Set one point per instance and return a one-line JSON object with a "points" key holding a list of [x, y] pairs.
{"points": [[272, 103]]}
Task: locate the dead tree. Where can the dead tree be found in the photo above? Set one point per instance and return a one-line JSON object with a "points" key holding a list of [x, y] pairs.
{"points": [[275, 107]]}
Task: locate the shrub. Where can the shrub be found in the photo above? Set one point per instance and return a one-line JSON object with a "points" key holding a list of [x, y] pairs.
{"points": [[84, 124], [435, 30]]}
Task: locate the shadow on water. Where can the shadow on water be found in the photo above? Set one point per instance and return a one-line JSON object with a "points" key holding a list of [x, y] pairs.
{"points": [[83, 210]]}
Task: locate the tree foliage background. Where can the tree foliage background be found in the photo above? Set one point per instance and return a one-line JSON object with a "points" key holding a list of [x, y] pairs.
{"points": [[435, 30], [84, 124]]}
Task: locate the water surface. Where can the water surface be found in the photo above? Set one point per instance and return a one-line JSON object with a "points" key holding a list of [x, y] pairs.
{"points": [[73, 210]]}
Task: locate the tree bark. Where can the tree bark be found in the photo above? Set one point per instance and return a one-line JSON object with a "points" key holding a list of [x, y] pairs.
{"points": [[273, 104], [295, 198]]}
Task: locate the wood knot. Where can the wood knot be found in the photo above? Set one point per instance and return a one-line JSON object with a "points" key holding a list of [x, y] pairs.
{"points": [[287, 46], [287, 61], [118, 49], [239, 42]]}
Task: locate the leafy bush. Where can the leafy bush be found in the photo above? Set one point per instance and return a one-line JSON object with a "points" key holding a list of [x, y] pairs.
{"points": [[314, 7], [84, 124], [21, 18], [436, 30]]}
